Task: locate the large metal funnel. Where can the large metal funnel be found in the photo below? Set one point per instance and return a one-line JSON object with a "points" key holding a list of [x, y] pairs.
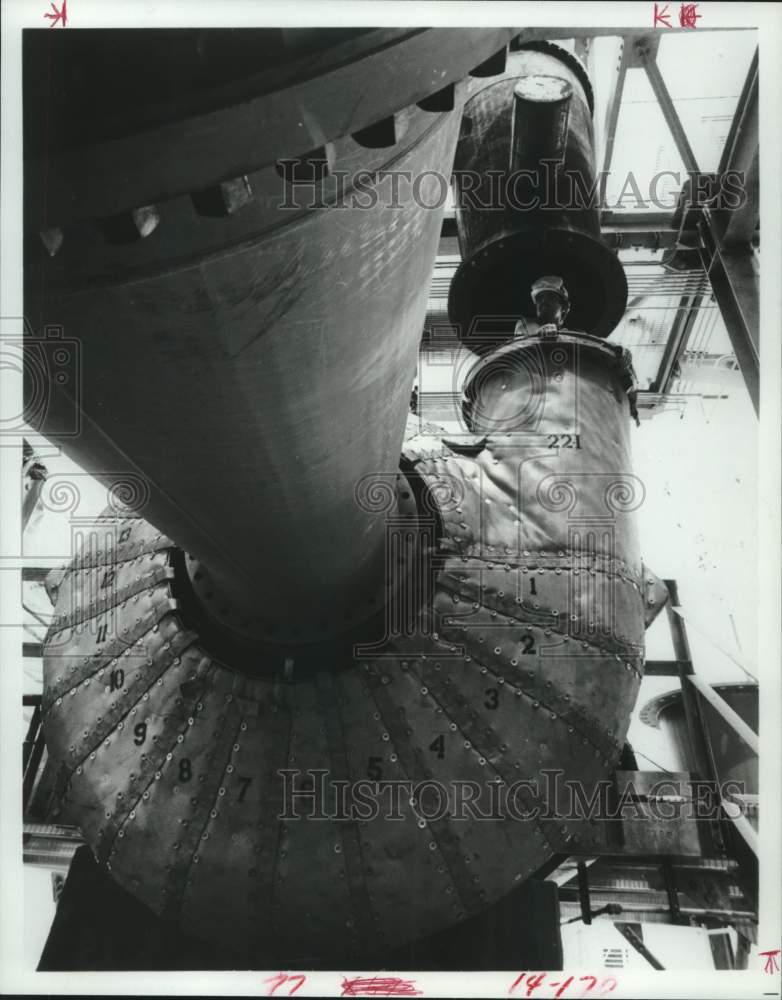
{"points": [[247, 347]]}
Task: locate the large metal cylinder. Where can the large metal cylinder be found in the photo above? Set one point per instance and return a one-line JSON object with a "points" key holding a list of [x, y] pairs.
{"points": [[246, 359], [260, 382], [527, 201]]}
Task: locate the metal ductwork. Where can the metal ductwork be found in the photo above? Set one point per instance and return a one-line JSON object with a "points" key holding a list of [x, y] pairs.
{"points": [[302, 588], [266, 349], [527, 201]]}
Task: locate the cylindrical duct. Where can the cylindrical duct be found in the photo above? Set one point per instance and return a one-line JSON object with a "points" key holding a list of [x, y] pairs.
{"points": [[248, 360], [541, 108], [527, 201]]}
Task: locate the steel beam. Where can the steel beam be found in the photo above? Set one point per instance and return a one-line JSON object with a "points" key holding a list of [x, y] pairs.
{"points": [[552, 34], [620, 231], [612, 108], [727, 252], [733, 719], [668, 109], [741, 153], [741, 223], [703, 756], [743, 826], [677, 340], [733, 274], [583, 893], [695, 727], [669, 880], [32, 753], [632, 938], [663, 668], [583, 49], [747, 102]]}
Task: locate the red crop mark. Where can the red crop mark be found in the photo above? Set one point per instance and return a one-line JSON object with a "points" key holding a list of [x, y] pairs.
{"points": [[57, 16], [281, 978], [379, 986], [661, 17], [688, 15], [771, 965]]}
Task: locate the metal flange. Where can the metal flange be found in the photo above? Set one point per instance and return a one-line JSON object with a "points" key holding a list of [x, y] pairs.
{"points": [[303, 104]]}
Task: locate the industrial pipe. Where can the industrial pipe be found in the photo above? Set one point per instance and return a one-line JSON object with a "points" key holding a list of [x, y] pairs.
{"points": [[541, 108], [244, 359], [527, 201]]}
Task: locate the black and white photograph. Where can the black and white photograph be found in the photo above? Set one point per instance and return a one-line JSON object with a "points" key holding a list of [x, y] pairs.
{"points": [[390, 537]]}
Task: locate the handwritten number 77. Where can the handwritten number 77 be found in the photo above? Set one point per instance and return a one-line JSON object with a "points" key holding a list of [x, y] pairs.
{"points": [[281, 978]]}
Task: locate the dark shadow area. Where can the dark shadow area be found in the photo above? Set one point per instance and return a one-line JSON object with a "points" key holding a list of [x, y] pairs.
{"points": [[99, 926]]}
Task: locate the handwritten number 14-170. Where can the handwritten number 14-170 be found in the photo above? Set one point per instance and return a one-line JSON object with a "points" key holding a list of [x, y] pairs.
{"points": [[527, 982]]}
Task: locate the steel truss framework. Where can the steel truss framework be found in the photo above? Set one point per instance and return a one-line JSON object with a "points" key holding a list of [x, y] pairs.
{"points": [[721, 242]]}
